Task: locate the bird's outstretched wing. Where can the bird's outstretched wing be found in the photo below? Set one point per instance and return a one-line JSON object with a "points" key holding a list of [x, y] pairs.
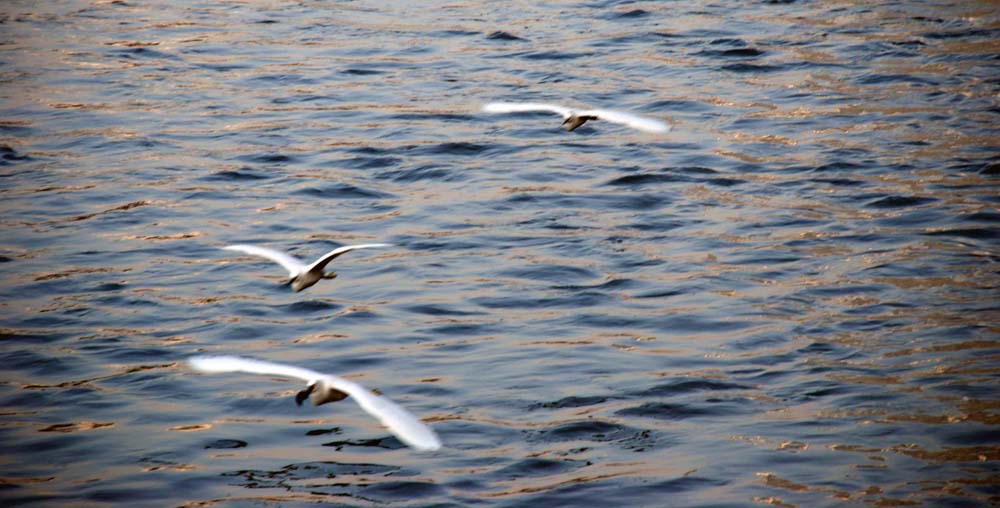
{"points": [[294, 266], [633, 121], [401, 422], [522, 107], [333, 254], [408, 428], [215, 364]]}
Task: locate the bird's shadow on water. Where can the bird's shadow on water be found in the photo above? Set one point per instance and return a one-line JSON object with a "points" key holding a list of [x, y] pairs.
{"points": [[387, 443], [367, 482], [307, 307], [310, 474]]}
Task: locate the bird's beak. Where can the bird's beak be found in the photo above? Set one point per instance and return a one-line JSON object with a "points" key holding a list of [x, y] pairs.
{"points": [[331, 275]]}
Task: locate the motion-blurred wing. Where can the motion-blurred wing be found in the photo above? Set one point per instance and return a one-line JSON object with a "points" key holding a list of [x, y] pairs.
{"points": [[333, 254], [522, 107], [294, 266], [216, 364], [633, 121], [407, 427]]}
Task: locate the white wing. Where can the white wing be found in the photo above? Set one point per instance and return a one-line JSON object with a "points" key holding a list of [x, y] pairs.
{"points": [[216, 364], [401, 422], [294, 266], [329, 256], [513, 107], [633, 121]]}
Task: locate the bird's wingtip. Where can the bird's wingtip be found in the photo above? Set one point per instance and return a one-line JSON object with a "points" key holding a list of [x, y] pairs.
{"points": [[428, 447], [428, 441], [204, 363]]}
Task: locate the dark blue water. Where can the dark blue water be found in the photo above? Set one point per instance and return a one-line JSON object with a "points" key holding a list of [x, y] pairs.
{"points": [[789, 300]]}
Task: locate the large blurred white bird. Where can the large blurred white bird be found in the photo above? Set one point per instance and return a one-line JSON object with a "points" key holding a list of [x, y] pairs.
{"points": [[574, 119], [326, 388], [302, 275]]}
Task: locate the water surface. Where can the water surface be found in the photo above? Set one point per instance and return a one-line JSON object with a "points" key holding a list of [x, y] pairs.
{"points": [[789, 300]]}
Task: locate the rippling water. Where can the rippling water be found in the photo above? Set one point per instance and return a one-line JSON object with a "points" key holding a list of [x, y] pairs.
{"points": [[789, 300]]}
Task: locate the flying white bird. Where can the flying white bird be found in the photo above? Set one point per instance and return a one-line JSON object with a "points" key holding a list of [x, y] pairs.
{"points": [[574, 119], [326, 388], [302, 275]]}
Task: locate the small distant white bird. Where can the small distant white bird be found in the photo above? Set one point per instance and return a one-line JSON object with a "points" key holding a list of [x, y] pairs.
{"points": [[574, 119], [302, 275], [326, 388]]}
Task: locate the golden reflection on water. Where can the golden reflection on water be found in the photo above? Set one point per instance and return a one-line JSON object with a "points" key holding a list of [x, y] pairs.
{"points": [[192, 428], [596, 473], [122, 372], [76, 426]]}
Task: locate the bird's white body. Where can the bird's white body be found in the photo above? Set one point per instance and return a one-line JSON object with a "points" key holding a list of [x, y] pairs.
{"points": [[573, 118], [300, 274], [326, 388]]}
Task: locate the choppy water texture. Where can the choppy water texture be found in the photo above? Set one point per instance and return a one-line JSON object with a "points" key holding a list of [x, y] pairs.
{"points": [[789, 300]]}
